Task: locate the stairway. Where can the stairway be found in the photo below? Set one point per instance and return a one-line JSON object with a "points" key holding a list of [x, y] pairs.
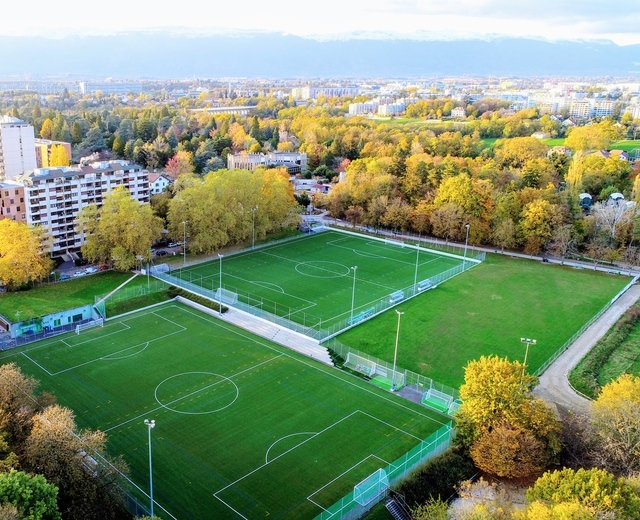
{"points": [[398, 508]]}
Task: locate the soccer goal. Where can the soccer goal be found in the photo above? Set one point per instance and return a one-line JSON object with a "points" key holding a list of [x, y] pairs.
{"points": [[396, 297], [437, 399], [371, 487], [89, 325], [360, 364], [392, 242], [226, 296]]}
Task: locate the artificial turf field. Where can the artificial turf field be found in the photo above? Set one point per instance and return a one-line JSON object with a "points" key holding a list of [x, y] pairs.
{"points": [[243, 426], [486, 310], [310, 280]]}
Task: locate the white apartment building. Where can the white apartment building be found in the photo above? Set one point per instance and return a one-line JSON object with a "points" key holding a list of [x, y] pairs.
{"points": [[359, 109], [295, 162], [314, 92], [459, 112], [54, 196], [17, 147], [634, 110], [391, 110]]}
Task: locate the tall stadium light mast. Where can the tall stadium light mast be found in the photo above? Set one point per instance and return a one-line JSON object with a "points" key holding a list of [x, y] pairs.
{"points": [[150, 426], [220, 299], [253, 226], [529, 342], [353, 291], [395, 354], [184, 243], [415, 276], [466, 241]]}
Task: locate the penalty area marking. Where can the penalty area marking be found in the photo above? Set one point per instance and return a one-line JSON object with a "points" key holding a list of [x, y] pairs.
{"points": [[268, 285], [266, 457], [110, 357], [155, 393]]}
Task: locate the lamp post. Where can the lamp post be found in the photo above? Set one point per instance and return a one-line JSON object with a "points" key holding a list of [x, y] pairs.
{"points": [[253, 226], [184, 242], [466, 241], [529, 342], [220, 299], [395, 354], [415, 276], [353, 292], [150, 426]]}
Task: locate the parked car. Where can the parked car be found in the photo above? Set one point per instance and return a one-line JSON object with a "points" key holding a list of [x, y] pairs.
{"points": [[79, 273], [173, 244], [104, 268], [161, 253], [153, 250], [65, 277], [91, 270]]}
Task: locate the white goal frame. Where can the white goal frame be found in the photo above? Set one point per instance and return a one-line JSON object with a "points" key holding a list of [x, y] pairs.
{"points": [[226, 296], [95, 323], [392, 242]]}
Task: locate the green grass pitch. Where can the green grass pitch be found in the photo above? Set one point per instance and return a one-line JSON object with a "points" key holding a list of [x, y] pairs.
{"points": [[310, 280], [242, 425], [486, 311]]}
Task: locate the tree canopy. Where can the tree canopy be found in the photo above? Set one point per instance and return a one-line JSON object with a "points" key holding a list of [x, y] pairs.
{"points": [[22, 254]]}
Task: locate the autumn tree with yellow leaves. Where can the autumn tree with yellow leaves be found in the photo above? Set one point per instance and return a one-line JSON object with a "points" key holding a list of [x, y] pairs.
{"points": [[23, 256]]}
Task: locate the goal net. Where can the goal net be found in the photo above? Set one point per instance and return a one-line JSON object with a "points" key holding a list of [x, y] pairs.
{"points": [[371, 487], [392, 242], [95, 323], [226, 296], [360, 364], [437, 399]]}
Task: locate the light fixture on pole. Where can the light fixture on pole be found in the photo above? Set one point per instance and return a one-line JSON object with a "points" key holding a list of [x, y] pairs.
{"points": [[220, 299], [529, 342], [466, 241], [184, 242], [395, 354], [253, 226], [353, 293], [150, 426]]}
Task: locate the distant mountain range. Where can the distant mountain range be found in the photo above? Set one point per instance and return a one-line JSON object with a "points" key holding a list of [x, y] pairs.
{"points": [[166, 55]]}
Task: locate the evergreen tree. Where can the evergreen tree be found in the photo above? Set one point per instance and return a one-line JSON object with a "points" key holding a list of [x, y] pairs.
{"points": [[118, 146], [76, 133]]}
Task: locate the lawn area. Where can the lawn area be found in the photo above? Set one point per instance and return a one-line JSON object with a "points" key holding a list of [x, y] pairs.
{"points": [[242, 425], [627, 146], [60, 296], [554, 142], [486, 311]]}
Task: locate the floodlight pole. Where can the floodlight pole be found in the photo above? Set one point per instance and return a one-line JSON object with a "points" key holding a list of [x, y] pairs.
{"points": [[220, 300], [150, 426], [466, 241], [415, 276], [529, 342], [395, 354], [253, 226], [353, 291], [184, 242]]}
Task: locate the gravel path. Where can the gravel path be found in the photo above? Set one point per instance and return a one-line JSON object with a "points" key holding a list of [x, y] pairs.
{"points": [[554, 384]]}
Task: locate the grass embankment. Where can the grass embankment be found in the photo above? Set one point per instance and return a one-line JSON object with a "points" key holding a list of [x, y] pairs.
{"points": [[486, 311], [60, 296], [618, 352]]}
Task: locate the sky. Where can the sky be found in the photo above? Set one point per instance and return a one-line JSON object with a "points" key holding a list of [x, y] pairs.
{"points": [[617, 21]]}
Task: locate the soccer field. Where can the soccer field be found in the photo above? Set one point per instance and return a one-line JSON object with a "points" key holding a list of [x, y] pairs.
{"points": [[312, 280], [244, 428]]}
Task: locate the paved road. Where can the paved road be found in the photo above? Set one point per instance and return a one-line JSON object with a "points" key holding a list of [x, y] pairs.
{"points": [[554, 385]]}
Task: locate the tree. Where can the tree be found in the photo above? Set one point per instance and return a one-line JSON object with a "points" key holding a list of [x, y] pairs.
{"points": [[497, 395], [596, 489], [448, 221], [46, 132], [616, 418], [94, 141], [59, 156], [504, 235], [537, 223], [33, 496], [588, 138], [120, 232], [23, 256], [76, 133], [611, 217], [434, 509], [181, 162], [118, 146], [561, 242]]}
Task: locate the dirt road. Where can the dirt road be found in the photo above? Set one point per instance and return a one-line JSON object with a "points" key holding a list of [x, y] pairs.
{"points": [[554, 385]]}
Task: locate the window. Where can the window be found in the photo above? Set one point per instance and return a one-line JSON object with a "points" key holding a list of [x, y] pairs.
{"points": [[17, 192], [18, 208], [11, 201], [8, 210]]}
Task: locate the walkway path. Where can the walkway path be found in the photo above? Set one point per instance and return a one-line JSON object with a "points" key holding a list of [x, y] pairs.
{"points": [[554, 384]]}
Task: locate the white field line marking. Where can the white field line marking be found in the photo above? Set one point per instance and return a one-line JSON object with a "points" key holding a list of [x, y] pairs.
{"points": [[283, 292], [232, 509], [37, 364], [191, 394], [280, 289], [100, 337], [101, 358], [284, 453], [266, 457], [342, 475], [391, 425], [172, 322], [109, 358], [329, 371]]}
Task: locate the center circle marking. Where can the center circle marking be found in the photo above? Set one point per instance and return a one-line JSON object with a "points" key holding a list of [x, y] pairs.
{"points": [[322, 269], [222, 380]]}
